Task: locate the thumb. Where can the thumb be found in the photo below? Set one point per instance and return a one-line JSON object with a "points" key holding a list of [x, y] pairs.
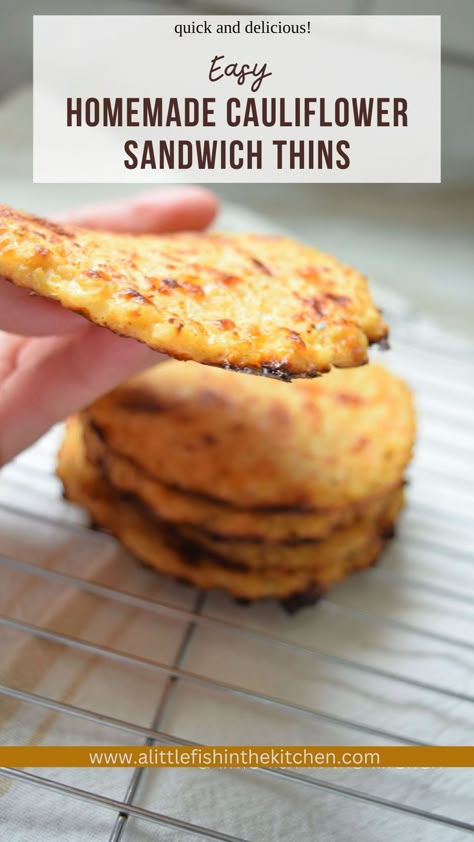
{"points": [[45, 379]]}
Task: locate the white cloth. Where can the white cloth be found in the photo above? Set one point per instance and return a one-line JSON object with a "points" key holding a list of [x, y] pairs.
{"points": [[433, 549]]}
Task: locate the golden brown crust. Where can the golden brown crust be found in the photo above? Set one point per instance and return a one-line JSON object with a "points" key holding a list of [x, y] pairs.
{"points": [[256, 303], [320, 445], [161, 548], [344, 542], [214, 518]]}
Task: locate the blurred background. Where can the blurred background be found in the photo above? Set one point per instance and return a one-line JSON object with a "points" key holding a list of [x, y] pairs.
{"points": [[417, 241]]}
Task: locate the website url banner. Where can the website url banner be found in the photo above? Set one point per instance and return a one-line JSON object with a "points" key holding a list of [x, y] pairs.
{"points": [[238, 757]]}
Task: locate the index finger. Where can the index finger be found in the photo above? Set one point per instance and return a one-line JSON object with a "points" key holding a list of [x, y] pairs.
{"points": [[155, 211], [161, 211]]}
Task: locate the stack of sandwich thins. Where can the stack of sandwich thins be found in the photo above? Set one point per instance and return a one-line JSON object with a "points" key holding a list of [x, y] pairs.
{"points": [[260, 488]]}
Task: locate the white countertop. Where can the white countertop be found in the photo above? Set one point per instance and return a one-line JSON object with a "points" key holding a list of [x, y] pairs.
{"points": [[90, 641]]}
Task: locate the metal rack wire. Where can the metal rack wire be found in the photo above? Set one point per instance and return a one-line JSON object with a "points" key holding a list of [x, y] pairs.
{"points": [[426, 612]]}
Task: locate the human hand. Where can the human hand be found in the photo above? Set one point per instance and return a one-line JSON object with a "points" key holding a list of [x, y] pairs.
{"points": [[54, 362]]}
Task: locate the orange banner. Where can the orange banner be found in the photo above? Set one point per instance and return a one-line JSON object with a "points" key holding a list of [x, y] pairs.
{"points": [[233, 757]]}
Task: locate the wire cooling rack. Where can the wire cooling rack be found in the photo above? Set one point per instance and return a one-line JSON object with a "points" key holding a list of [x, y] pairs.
{"points": [[97, 650]]}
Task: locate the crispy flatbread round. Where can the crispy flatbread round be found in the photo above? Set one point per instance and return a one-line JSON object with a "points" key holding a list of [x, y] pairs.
{"points": [[213, 518], [161, 547], [344, 542], [249, 302], [313, 445]]}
